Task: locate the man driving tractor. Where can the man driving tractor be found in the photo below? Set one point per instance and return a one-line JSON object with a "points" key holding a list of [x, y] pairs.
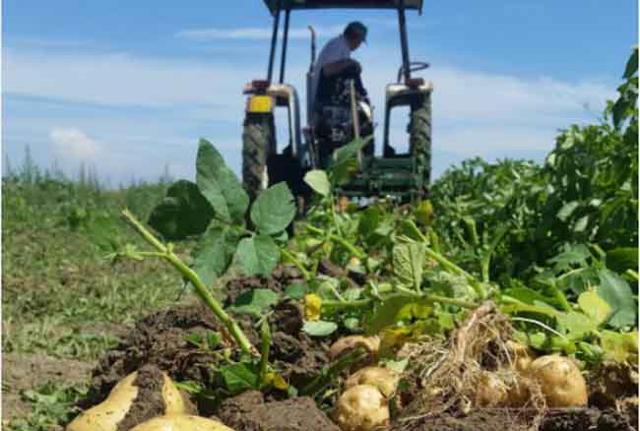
{"points": [[335, 63], [333, 72]]}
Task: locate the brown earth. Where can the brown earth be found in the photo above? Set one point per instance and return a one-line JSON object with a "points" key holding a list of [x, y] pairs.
{"points": [[249, 412], [24, 371]]}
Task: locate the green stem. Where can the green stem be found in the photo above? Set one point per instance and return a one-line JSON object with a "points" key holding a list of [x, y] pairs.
{"points": [[355, 251], [330, 371], [200, 288], [485, 263], [359, 303], [265, 338], [632, 274], [294, 260]]}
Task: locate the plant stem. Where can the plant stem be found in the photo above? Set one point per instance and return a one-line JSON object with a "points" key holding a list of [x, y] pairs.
{"points": [[201, 290], [358, 303], [265, 338], [294, 260], [355, 251], [332, 370]]}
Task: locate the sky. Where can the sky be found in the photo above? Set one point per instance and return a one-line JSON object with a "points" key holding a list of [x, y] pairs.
{"points": [[129, 87]]}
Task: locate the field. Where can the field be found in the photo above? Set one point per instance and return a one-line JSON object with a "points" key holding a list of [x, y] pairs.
{"points": [[508, 299], [64, 303]]}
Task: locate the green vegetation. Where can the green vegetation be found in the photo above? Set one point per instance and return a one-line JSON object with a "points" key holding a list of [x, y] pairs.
{"points": [[61, 297]]}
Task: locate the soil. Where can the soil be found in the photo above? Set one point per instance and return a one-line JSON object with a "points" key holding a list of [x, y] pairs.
{"points": [[249, 412], [576, 419], [161, 339], [149, 402], [23, 371]]}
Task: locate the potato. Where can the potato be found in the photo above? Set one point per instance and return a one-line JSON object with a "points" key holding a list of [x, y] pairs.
{"points": [[173, 399], [384, 379], [181, 423], [106, 415], [491, 391], [560, 381], [521, 356], [351, 342], [361, 408]]}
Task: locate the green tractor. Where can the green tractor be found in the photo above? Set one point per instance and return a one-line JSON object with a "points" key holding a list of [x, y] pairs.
{"points": [[402, 175]]}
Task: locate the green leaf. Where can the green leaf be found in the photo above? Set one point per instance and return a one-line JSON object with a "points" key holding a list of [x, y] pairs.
{"points": [[274, 209], [387, 312], [318, 181], [182, 213], [617, 293], [214, 252], [567, 209], [622, 258], [254, 302], [239, 377], [213, 339], [319, 328], [344, 161], [296, 291], [408, 260], [219, 185], [594, 306], [632, 64], [575, 255], [577, 324], [620, 347], [258, 255], [581, 224]]}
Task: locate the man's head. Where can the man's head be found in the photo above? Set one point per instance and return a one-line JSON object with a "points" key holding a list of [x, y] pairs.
{"points": [[355, 32]]}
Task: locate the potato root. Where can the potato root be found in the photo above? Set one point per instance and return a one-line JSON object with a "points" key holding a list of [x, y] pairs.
{"points": [[181, 423], [361, 408], [351, 342], [384, 379], [520, 355], [560, 381]]}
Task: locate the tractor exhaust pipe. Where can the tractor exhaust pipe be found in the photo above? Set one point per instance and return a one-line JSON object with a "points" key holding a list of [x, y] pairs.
{"points": [[313, 47]]}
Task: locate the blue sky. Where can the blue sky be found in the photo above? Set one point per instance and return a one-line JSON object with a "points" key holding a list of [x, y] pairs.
{"points": [[129, 87]]}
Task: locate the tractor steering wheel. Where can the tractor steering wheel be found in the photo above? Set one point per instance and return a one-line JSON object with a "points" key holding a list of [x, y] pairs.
{"points": [[414, 66]]}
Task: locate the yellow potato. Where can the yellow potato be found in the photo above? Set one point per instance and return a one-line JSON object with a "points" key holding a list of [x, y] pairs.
{"points": [[181, 423], [351, 342], [560, 380], [173, 399], [361, 408], [491, 390], [384, 379], [106, 415], [521, 356]]}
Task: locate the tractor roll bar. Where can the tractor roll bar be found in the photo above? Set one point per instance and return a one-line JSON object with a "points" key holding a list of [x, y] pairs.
{"points": [[404, 44], [285, 40], [274, 41]]}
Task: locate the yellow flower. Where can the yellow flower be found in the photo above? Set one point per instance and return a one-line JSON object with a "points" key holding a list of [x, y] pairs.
{"points": [[312, 306]]}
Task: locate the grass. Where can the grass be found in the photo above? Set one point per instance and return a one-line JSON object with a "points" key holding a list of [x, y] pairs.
{"points": [[61, 295]]}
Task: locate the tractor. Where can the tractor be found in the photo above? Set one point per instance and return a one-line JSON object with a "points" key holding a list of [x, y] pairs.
{"points": [[401, 175]]}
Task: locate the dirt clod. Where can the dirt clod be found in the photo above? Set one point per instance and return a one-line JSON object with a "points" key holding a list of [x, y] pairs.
{"points": [[149, 402], [248, 412]]}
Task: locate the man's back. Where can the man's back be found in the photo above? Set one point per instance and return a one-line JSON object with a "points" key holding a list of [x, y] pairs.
{"points": [[334, 50]]}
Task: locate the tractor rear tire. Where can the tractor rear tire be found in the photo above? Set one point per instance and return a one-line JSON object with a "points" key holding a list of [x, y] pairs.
{"points": [[420, 135], [258, 142]]}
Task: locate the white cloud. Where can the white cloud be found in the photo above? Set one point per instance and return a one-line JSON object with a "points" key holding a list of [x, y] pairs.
{"points": [[474, 113], [73, 143], [251, 33]]}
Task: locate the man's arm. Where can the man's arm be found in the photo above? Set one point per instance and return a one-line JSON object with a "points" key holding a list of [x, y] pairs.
{"points": [[336, 67]]}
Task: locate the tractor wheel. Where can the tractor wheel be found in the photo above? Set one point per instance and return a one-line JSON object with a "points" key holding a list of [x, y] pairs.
{"points": [[420, 134], [258, 140]]}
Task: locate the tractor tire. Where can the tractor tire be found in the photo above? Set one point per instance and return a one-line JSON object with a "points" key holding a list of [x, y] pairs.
{"points": [[420, 135], [258, 142]]}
